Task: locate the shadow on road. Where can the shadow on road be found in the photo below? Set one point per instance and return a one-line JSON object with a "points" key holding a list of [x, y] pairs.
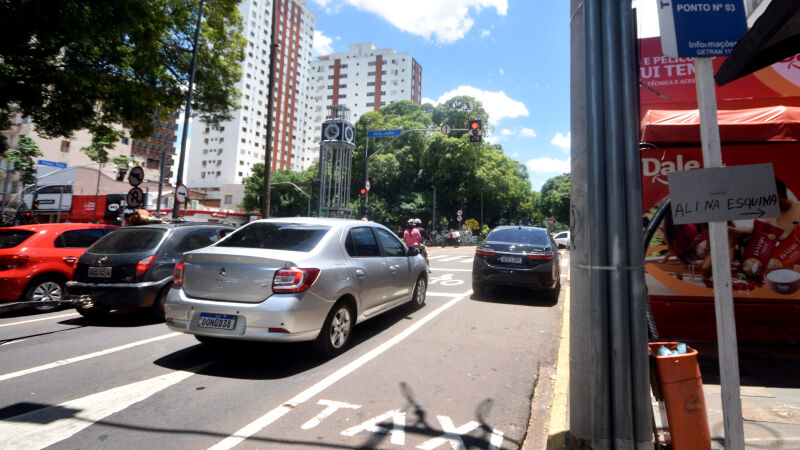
{"points": [[118, 319], [514, 296]]}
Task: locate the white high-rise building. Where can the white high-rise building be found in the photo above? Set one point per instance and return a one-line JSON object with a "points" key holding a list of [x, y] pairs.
{"points": [[225, 154], [363, 79]]}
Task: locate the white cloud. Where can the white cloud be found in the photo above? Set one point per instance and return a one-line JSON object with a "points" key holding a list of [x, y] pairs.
{"points": [[322, 44], [446, 20], [496, 103], [515, 154], [527, 132], [507, 132], [562, 142], [548, 165], [502, 72], [428, 100], [647, 18], [485, 33]]}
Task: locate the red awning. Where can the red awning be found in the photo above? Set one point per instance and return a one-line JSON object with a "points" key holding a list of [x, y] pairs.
{"points": [[775, 123]]}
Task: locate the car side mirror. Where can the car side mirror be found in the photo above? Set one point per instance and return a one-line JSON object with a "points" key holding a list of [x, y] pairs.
{"points": [[413, 251]]}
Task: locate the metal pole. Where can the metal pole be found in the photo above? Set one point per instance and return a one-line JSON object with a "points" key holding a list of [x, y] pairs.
{"points": [[366, 175], [480, 227], [176, 208], [273, 56], [5, 190], [60, 197], [96, 194], [161, 182], [433, 219]]}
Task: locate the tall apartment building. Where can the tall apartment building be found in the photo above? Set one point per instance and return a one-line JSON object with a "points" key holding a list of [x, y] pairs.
{"points": [[225, 154], [363, 79]]}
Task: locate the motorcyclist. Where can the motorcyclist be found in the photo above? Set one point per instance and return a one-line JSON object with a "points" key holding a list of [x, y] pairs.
{"points": [[425, 238], [413, 238]]}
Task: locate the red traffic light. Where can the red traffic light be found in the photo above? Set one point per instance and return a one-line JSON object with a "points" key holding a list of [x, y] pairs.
{"points": [[474, 125], [363, 191]]}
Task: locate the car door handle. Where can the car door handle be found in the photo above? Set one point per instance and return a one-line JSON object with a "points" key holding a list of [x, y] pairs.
{"points": [[360, 274], [394, 268], [69, 259]]}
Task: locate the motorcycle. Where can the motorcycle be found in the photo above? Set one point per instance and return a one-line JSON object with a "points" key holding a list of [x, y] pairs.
{"points": [[451, 239]]}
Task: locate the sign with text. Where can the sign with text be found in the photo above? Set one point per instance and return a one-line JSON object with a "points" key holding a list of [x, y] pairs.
{"points": [[384, 133], [692, 28], [724, 193], [44, 162]]}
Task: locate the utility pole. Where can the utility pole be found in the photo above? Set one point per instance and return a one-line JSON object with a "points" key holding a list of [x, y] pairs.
{"points": [[177, 207], [273, 58]]}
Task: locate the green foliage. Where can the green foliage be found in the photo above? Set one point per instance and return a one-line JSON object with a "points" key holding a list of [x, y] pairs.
{"points": [[103, 140], [285, 199], [23, 160], [81, 64], [124, 161], [555, 198]]}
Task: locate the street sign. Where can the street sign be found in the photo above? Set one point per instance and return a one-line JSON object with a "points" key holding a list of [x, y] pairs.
{"points": [[446, 129], [723, 193], [113, 207], [136, 176], [135, 197], [181, 193], [700, 28], [459, 212], [384, 133], [43, 162], [366, 185]]}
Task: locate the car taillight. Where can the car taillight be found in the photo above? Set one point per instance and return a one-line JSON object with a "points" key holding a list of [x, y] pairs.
{"points": [[144, 265], [293, 279], [541, 256], [12, 261], [177, 275], [485, 252]]}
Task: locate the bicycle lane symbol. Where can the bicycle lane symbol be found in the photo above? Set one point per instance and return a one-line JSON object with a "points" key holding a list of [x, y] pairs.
{"points": [[445, 280]]}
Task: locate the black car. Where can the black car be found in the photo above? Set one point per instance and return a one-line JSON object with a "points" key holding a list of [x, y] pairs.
{"points": [[518, 256], [132, 267]]}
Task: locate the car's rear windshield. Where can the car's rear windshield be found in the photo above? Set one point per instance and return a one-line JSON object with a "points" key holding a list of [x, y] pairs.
{"points": [[527, 236], [12, 238], [128, 240], [295, 237]]}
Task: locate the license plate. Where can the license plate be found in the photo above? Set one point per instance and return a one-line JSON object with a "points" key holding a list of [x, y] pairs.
{"points": [[219, 321], [511, 259], [100, 272]]}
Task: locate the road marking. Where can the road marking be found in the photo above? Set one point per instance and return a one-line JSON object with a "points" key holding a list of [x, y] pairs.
{"points": [[455, 258], [332, 407], [496, 441], [44, 427], [439, 269], [398, 431], [39, 320], [64, 362], [440, 294], [276, 413], [452, 435]]}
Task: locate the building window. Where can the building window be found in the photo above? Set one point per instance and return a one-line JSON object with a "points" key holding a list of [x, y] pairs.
{"points": [[229, 199], [125, 140], [64, 146]]}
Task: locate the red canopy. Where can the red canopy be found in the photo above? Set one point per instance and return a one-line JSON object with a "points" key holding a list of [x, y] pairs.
{"points": [[774, 123]]}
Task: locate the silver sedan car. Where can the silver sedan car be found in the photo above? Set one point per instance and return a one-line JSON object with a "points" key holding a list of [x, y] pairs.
{"points": [[294, 279]]}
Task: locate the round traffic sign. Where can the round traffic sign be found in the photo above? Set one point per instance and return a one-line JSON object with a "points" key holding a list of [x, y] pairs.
{"points": [[135, 197], [181, 193], [367, 185], [136, 176], [113, 207], [446, 129], [459, 212]]}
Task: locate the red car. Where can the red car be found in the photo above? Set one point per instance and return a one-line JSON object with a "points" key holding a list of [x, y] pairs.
{"points": [[37, 260]]}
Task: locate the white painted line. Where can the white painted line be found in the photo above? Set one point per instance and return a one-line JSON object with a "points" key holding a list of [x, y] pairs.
{"points": [[439, 269], [44, 427], [332, 407], [452, 435], [276, 413], [454, 258], [398, 431], [441, 294], [39, 320], [496, 441], [64, 362]]}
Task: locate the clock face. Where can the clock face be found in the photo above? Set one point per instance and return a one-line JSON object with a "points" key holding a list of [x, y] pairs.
{"points": [[349, 134], [331, 131]]}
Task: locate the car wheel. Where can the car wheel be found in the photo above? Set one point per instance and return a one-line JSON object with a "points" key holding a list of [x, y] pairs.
{"points": [[418, 297], [43, 290], [336, 331], [478, 288], [93, 314], [552, 294], [444, 244], [158, 304]]}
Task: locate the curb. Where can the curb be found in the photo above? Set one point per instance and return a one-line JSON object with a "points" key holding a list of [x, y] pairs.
{"points": [[557, 430]]}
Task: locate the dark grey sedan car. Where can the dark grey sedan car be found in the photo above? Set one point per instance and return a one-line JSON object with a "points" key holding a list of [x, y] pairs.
{"points": [[518, 256], [294, 279]]}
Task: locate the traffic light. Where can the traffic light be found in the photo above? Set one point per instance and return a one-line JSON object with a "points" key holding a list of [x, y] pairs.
{"points": [[363, 193], [35, 205], [121, 171], [475, 130]]}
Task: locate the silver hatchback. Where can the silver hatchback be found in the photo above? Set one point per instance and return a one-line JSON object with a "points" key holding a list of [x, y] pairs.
{"points": [[294, 279]]}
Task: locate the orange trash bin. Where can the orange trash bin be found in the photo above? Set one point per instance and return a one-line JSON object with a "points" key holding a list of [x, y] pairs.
{"points": [[682, 391]]}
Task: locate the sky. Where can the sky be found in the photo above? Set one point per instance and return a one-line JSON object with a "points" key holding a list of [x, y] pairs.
{"points": [[512, 55]]}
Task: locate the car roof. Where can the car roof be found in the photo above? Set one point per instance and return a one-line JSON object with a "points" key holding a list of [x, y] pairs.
{"points": [[165, 226], [58, 226], [330, 221], [509, 227]]}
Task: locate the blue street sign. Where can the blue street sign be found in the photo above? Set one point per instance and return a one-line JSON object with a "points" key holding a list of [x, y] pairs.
{"points": [[43, 162], [700, 28], [384, 133]]}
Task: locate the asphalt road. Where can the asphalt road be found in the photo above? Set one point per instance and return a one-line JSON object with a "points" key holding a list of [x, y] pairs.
{"points": [[458, 373]]}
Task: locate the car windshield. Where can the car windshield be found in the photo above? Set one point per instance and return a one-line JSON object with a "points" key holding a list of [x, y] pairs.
{"points": [[295, 237], [12, 238], [128, 240], [527, 236]]}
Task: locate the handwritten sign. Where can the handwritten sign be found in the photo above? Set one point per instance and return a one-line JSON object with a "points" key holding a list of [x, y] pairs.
{"points": [[724, 193]]}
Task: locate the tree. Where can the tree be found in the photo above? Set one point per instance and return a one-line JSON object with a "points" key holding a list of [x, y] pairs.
{"points": [[22, 159], [457, 112], [555, 198], [83, 64], [286, 200]]}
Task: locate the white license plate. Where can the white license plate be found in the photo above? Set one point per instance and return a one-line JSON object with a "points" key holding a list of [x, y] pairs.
{"points": [[100, 272], [511, 259], [219, 321]]}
